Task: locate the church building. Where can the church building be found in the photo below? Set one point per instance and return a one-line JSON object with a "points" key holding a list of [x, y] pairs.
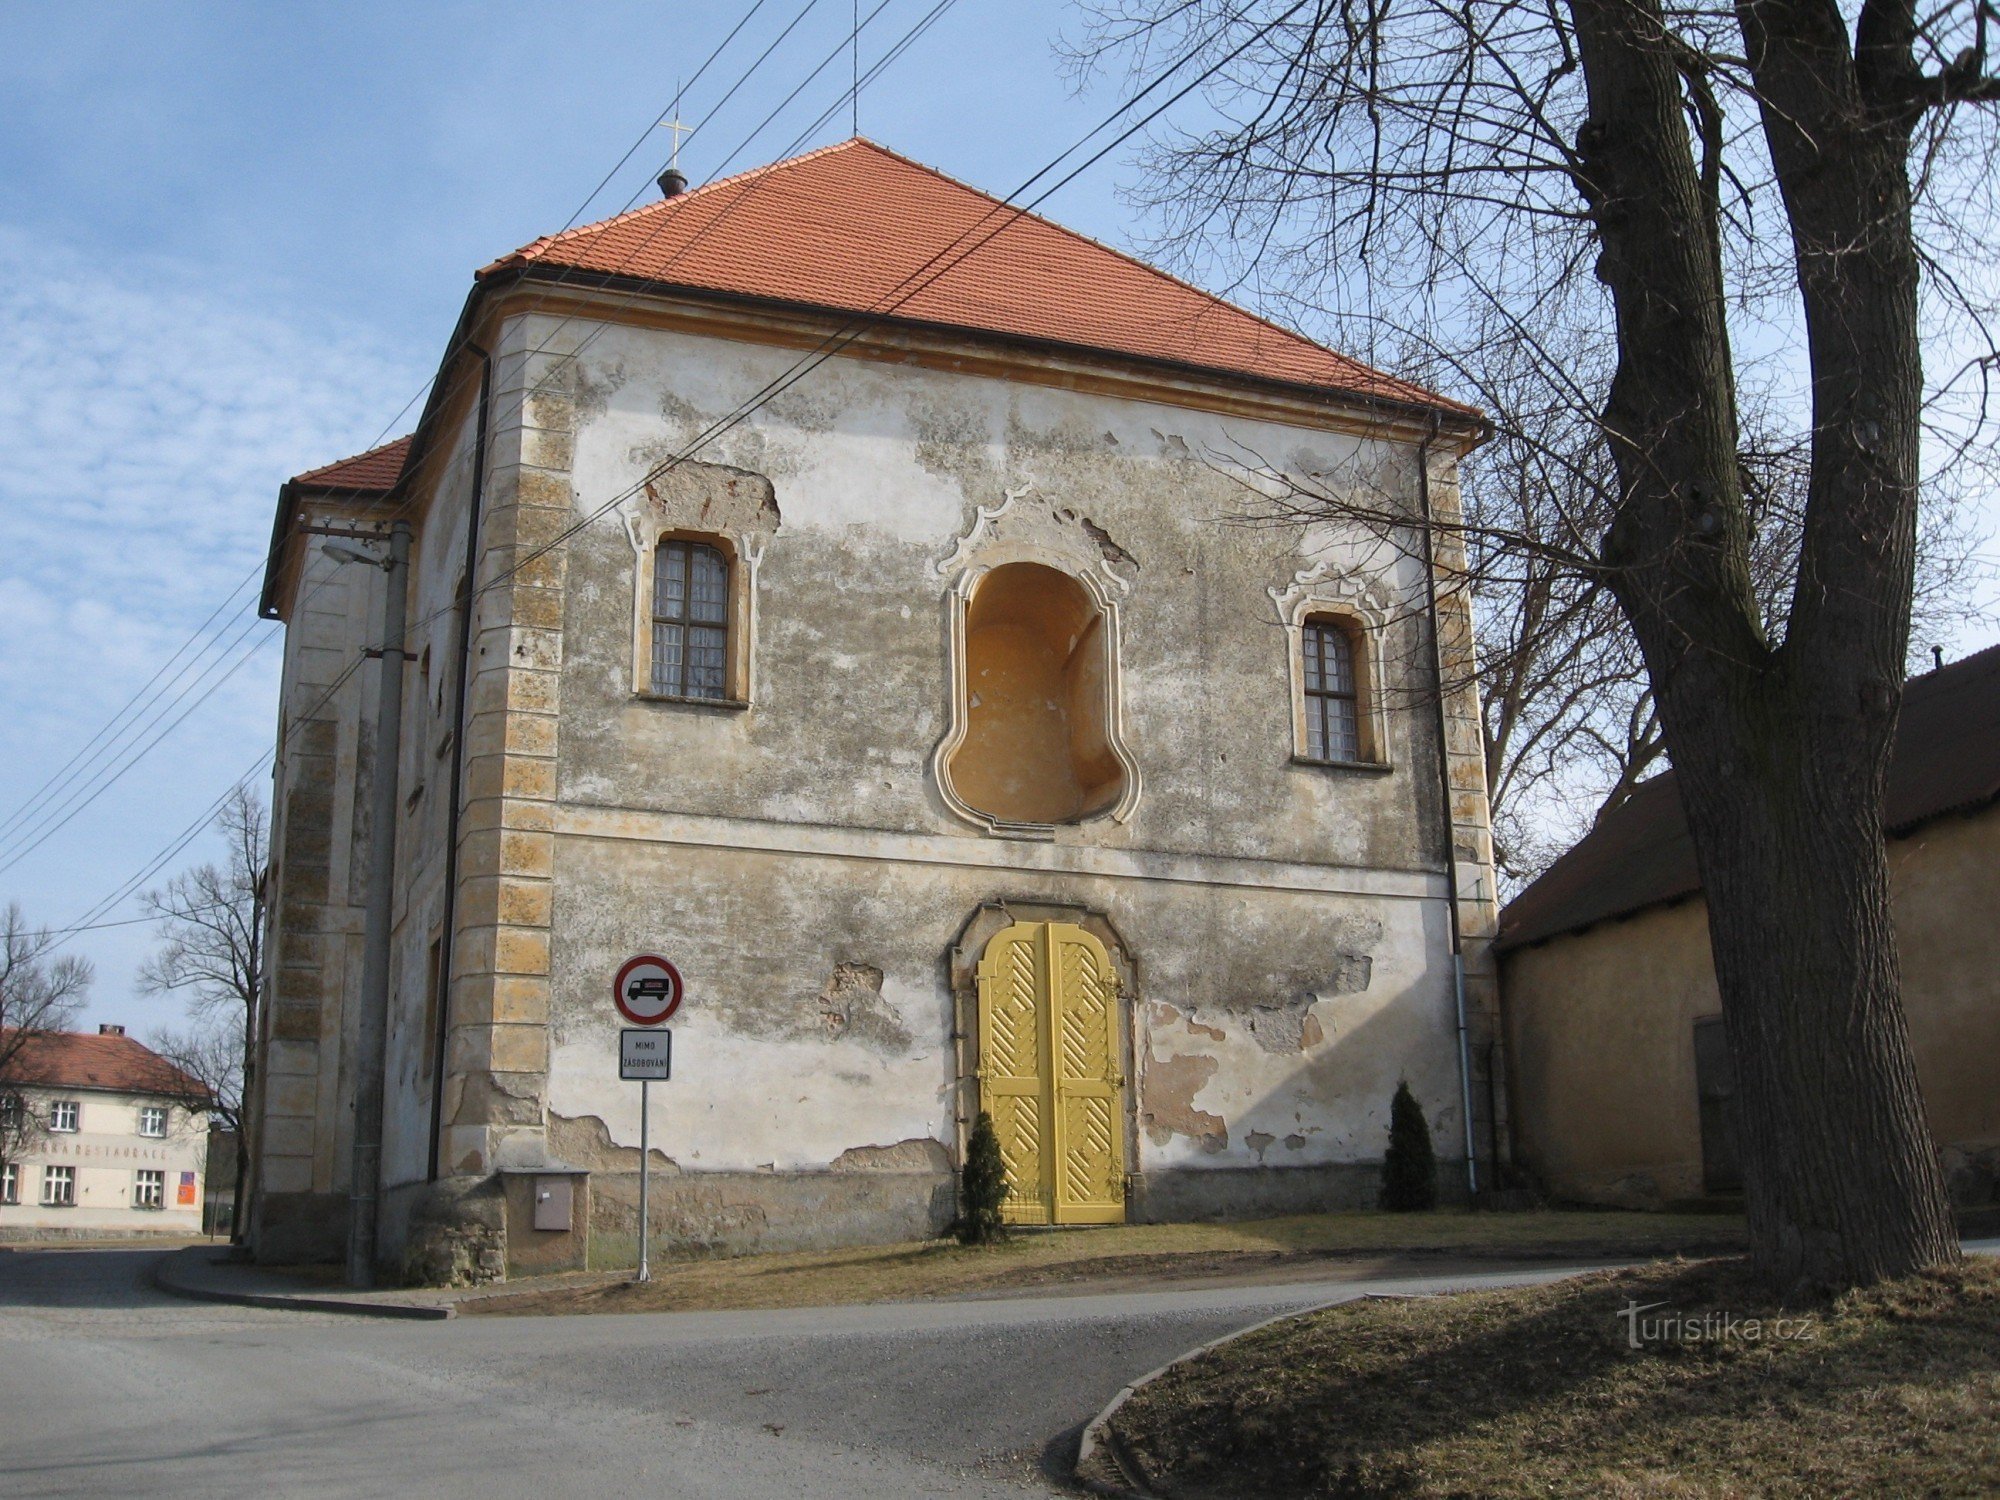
{"points": [[869, 598]]}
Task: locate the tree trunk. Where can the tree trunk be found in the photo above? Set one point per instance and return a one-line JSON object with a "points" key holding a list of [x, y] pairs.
{"points": [[1781, 754]]}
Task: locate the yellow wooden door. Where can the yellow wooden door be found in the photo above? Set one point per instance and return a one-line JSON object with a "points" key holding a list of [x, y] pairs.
{"points": [[1049, 1076]]}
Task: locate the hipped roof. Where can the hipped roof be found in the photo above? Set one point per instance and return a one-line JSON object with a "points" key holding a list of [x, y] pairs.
{"points": [[79, 1060]]}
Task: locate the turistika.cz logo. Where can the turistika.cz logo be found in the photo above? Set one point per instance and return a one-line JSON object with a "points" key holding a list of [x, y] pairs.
{"points": [[1714, 1327]]}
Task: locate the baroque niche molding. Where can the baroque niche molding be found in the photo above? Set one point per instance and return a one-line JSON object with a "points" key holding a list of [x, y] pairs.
{"points": [[1032, 527], [1029, 526]]}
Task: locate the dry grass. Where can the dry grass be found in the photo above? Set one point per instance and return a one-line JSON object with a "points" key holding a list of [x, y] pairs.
{"points": [[1141, 1253], [1536, 1392]]}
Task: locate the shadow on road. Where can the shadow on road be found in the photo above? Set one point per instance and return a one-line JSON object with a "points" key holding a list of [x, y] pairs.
{"points": [[68, 1277]]}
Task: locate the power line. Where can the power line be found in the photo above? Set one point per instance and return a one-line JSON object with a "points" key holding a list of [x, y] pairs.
{"points": [[73, 777], [828, 347], [70, 809]]}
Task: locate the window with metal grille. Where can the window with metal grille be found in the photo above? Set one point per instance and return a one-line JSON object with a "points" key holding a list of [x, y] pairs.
{"points": [[63, 1114], [149, 1189], [152, 1119], [1333, 713], [690, 620], [59, 1187]]}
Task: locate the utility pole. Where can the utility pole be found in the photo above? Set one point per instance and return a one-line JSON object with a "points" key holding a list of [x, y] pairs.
{"points": [[371, 1032]]}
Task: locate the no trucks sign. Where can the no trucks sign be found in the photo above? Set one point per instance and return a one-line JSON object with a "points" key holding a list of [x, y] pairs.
{"points": [[647, 990]]}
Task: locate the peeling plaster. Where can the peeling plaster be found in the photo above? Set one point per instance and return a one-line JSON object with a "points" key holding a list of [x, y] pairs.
{"points": [[586, 1143], [1171, 1084]]}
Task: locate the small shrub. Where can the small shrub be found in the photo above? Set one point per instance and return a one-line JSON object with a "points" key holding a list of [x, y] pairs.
{"points": [[982, 1186], [1409, 1171]]}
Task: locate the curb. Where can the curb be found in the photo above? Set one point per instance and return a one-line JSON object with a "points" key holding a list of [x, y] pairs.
{"points": [[1105, 1467], [163, 1280]]}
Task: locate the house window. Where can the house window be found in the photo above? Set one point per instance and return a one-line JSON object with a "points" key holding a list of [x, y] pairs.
{"points": [[10, 1112], [153, 1119], [10, 1183], [58, 1187], [690, 620], [149, 1190], [63, 1114], [1332, 692]]}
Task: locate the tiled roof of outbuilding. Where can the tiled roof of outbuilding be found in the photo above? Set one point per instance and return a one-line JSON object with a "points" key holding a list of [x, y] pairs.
{"points": [[78, 1060], [857, 228], [1947, 759]]}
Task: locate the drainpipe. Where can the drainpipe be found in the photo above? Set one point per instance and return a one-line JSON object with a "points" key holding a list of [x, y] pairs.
{"points": [[445, 951], [1444, 783]]}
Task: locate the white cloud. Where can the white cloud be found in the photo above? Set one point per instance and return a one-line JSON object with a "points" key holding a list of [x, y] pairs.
{"points": [[147, 418]]}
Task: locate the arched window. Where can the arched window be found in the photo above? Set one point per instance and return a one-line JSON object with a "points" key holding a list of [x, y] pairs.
{"points": [[690, 620], [1332, 691]]}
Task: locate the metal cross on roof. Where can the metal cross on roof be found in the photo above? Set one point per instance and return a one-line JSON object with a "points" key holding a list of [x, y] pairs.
{"points": [[679, 130]]}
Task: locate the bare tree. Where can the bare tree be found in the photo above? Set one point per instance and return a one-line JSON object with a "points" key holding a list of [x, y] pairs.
{"points": [[1781, 196], [211, 923], [40, 995]]}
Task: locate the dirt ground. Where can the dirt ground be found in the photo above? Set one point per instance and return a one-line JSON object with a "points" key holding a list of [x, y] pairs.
{"points": [[1541, 1391], [1118, 1257]]}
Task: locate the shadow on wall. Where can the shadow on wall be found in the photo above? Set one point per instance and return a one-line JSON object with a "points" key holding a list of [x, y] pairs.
{"points": [[1037, 748]]}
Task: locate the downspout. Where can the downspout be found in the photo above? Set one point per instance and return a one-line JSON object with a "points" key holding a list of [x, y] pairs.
{"points": [[1444, 783], [448, 941]]}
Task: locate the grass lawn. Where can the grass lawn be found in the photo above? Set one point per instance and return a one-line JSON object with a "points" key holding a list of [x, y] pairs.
{"points": [[1536, 1391], [1120, 1255]]}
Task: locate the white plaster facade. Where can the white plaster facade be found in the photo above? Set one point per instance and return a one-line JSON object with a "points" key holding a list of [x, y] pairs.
{"points": [[1282, 928]]}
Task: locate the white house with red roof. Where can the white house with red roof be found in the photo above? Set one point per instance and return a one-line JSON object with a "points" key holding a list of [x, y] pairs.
{"points": [[100, 1136], [877, 611]]}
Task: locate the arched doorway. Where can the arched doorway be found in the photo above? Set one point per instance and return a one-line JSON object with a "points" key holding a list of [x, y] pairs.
{"points": [[1037, 742], [1049, 1047]]}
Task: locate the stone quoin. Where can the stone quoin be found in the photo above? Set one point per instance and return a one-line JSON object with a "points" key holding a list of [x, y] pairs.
{"points": [[864, 616]]}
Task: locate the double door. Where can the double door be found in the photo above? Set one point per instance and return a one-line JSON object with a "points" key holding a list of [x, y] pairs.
{"points": [[1049, 1048]]}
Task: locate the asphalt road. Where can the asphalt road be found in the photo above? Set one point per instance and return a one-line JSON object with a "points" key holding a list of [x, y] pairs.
{"points": [[109, 1388]]}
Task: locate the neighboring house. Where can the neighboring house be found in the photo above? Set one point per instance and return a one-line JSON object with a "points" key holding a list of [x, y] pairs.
{"points": [[1618, 1060], [101, 1136], [942, 721]]}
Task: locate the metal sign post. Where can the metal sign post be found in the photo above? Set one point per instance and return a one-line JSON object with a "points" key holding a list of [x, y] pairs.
{"points": [[645, 1180], [647, 991]]}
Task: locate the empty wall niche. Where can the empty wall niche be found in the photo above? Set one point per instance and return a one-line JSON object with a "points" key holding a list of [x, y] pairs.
{"points": [[1037, 701]]}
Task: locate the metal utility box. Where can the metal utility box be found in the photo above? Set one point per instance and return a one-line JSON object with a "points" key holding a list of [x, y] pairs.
{"points": [[555, 1202]]}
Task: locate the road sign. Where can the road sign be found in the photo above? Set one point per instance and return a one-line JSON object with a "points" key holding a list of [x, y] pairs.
{"points": [[645, 1056], [647, 990]]}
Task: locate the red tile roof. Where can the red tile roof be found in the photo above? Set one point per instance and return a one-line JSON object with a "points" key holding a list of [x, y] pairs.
{"points": [[77, 1060], [372, 473], [857, 228], [1947, 760]]}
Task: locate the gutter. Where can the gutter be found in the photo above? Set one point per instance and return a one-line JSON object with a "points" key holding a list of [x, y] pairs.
{"points": [[1464, 419], [1444, 785]]}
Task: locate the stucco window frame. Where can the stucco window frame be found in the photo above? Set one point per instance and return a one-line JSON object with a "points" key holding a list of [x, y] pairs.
{"points": [[1315, 598], [957, 606], [740, 663]]}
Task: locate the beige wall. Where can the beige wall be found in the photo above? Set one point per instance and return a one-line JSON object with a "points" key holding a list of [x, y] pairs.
{"points": [[106, 1153], [1600, 1025]]}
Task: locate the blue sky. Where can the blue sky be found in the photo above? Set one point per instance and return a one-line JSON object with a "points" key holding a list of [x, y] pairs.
{"points": [[233, 239]]}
